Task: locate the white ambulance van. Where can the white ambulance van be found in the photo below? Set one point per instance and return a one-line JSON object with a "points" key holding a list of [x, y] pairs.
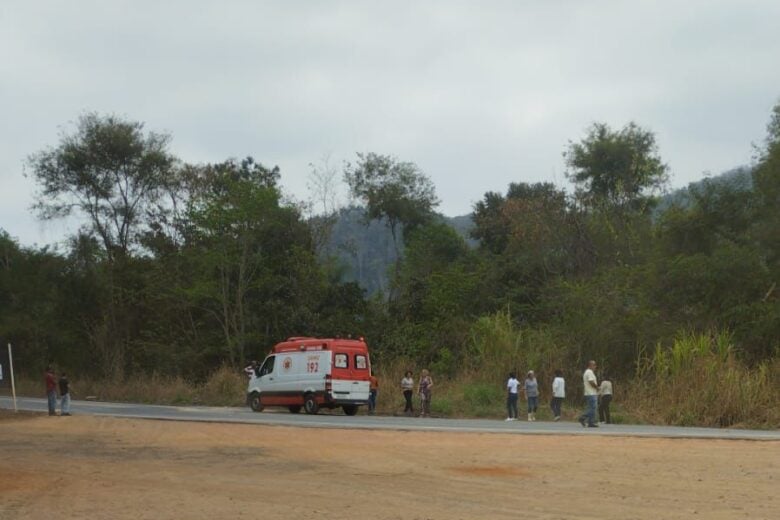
{"points": [[313, 373]]}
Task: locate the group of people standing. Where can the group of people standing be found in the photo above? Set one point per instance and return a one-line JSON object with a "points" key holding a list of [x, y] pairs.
{"points": [[424, 391], [530, 389], [596, 396], [51, 392]]}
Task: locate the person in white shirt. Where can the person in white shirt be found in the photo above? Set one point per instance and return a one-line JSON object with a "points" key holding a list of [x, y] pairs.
{"points": [[407, 386], [558, 394], [591, 391], [605, 397], [251, 370], [511, 397]]}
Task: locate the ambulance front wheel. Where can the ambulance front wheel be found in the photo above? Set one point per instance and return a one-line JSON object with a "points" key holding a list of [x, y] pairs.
{"points": [[254, 402], [350, 409], [310, 405]]}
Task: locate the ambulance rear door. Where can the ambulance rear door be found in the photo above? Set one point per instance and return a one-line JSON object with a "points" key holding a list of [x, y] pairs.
{"points": [[350, 375]]}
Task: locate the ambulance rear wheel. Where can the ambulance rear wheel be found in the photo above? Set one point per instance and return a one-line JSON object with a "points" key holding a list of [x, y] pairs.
{"points": [[310, 405], [350, 409], [255, 403], [294, 409]]}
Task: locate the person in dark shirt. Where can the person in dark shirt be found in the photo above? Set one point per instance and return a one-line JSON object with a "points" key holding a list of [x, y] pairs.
{"points": [[64, 394], [51, 390]]}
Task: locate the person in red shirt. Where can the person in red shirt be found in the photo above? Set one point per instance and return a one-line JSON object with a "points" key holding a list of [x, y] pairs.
{"points": [[373, 389], [51, 390]]}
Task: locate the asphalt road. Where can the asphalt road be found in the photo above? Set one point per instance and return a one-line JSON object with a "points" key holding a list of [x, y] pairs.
{"points": [[338, 420]]}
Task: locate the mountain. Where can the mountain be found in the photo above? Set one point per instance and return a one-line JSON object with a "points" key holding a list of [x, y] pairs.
{"points": [[364, 251], [739, 178]]}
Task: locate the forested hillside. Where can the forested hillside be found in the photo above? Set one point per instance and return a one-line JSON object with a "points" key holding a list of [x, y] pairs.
{"points": [[181, 268], [363, 248]]}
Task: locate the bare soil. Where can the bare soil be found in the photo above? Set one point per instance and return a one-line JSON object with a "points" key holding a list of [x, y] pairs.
{"points": [[96, 468]]}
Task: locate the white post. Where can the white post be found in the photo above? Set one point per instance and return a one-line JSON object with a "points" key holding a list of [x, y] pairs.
{"points": [[11, 366]]}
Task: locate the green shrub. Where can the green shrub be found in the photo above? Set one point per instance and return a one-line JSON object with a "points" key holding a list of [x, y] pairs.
{"points": [[441, 406], [481, 395]]}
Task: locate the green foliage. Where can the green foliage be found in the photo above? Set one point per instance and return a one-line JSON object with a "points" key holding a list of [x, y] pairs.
{"points": [[619, 168], [109, 171], [433, 281], [442, 406], [483, 396], [445, 362], [766, 178], [397, 191]]}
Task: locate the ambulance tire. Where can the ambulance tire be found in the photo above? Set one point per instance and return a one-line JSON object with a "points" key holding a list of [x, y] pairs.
{"points": [[294, 408], [255, 403], [350, 409], [310, 405]]}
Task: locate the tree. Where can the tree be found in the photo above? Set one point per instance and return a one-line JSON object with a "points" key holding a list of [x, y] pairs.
{"points": [[43, 297], [531, 235], [491, 227], [617, 168], [109, 172], [256, 273], [323, 205], [766, 180], [396, 191]]}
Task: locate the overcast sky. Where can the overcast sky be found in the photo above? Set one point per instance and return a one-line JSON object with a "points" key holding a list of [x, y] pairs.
{"points": [[478, 94]]}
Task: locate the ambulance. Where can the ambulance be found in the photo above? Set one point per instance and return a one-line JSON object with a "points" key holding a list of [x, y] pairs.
{"points": [[312, 373]]}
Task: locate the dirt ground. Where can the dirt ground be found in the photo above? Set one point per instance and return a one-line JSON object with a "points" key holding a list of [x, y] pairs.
{"points": [[96, 468]]}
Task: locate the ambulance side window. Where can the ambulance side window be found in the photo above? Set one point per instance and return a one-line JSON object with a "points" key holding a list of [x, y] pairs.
{"points": [[341, 361], [360, 362], [268, 366]]}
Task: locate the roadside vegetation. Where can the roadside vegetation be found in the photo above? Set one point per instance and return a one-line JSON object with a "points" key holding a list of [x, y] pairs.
{"points": [[182, 273]]}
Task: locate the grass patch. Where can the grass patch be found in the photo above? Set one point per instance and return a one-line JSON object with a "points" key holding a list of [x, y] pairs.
{"points": [[700, 381]]}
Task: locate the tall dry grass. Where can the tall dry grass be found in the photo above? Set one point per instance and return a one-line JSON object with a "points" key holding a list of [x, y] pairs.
{"points": [[700, 380], [224, 387]]}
